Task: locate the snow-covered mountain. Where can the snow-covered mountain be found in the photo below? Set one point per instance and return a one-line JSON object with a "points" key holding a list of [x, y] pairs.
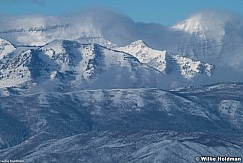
{"points": [[68, 65], [214, 37], [166, 62], [123, 125], [83, 89]]}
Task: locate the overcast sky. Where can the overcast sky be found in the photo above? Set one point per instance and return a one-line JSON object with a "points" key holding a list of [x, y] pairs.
{"points": [[166, 12]]}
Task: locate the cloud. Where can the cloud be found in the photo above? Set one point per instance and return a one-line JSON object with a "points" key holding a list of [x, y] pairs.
{"points": [[113, 26], [93, 22]]}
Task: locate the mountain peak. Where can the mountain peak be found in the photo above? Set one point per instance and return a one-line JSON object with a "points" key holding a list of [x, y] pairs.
{"points": [[190, 25], [5, 48], [206, 34], [214, 21], [139, 44]]}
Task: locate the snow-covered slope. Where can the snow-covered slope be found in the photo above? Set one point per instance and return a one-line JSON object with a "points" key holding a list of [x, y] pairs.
{"points": [[213, 37], [166, 62], [205, 36], [145, 146], [145, 54], [228, 107], [123, 124]]}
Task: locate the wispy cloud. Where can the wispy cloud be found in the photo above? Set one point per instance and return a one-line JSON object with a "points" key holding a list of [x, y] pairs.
{"points": [[115, 27]]}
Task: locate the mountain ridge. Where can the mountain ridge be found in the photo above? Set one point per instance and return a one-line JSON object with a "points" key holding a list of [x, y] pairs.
{"points": [[160, 60], [130, 122], [64, 63]]}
